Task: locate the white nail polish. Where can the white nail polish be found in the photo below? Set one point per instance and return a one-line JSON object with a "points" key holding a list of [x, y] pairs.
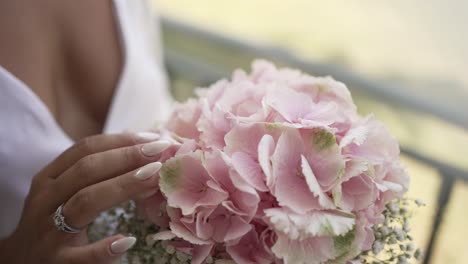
{"points": [[122, 245], [148, 170], [147, 194], [154, 148], [147, 136]]}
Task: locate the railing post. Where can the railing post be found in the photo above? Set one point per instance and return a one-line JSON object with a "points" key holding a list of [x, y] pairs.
{"points": [[445, 192]]}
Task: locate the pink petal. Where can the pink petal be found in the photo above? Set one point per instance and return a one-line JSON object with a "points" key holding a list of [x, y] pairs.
{"points": [[314, 223], [249, 250], [212, 94], [227, 226], [246, 198], [184, 118], [358, 193], [332, 90], [217, 164], [289, 103], [324, 157], [213, 126], [242, 197], [397, 176], [291, 188], [314, 186], [187, 185], [155, 210], [241, 99], [231, 207], [249, 170], [322, 114], [355, 167], [241, 184], [163, 235], [182, 232], [203, 229], [356, 135], [200, 253], [244, 138], [189, 145], [379, 144], [265, 151], [314, 250], [238, 227]]}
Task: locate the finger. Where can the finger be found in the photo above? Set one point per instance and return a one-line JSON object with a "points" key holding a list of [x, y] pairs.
{"points": [[88, 203], [104, 251], [102, 166], [94, 144]]}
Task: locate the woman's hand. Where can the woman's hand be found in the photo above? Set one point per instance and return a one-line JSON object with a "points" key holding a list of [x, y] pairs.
{"points": [[94, 175]]}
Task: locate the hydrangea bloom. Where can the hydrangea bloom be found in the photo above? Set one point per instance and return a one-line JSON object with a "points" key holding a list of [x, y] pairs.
{"points": [[275, 167]]}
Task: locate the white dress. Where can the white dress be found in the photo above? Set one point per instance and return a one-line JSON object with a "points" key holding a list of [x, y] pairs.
{"points": [[30, 138]]}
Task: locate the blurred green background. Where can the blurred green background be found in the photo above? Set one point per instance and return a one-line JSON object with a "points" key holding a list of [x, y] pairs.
{"points": [[421, 45]]}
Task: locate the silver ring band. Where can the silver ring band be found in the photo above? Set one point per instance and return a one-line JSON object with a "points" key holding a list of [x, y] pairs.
{"points": [[59, 222]]}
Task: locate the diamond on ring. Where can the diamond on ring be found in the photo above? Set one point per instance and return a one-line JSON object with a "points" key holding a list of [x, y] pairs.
{"points": [[59, 222]]}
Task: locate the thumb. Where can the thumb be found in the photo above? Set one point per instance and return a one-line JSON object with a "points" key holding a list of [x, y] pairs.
{"points": [[103, 251]]}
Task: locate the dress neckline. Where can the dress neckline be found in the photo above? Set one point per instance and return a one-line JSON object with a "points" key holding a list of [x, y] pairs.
{"points": [[42, 107]]}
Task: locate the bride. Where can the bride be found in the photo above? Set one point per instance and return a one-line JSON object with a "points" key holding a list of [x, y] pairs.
{"points": [[75, 78]]}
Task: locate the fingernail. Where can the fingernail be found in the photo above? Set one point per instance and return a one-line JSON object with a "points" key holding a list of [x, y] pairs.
{"points": [[122, 245], [154, 148], [147, 136], [148, 170], [147, 194]]}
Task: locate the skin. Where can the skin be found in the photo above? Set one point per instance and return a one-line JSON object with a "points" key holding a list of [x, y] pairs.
{"points": [[68, 53], [94, 175]]}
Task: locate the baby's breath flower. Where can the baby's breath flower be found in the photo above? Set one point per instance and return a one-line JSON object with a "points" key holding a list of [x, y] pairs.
{"points": [[402, 260], [384, 230], [392, 240], [419, 202], [406, 226], [377, 247], [393, 207], [170, 249], [418, 254], [409, 247]]}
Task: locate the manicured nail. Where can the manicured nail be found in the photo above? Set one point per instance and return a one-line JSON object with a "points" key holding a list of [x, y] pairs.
{"points": [[147, 136], [148, 170], [147, 194], [154, 148], [122, 245]]}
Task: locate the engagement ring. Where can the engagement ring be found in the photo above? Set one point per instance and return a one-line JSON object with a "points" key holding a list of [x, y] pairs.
{"points": [[59, 221]]}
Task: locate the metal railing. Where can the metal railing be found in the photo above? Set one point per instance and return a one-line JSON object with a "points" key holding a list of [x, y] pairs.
{"points": [[203, 70]]}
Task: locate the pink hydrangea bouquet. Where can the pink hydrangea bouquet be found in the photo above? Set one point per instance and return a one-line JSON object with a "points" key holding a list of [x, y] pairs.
{"points": [[275, 166]]}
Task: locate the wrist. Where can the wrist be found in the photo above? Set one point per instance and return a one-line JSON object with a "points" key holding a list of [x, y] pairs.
{"points": [[7, 250], [4, 249]]}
